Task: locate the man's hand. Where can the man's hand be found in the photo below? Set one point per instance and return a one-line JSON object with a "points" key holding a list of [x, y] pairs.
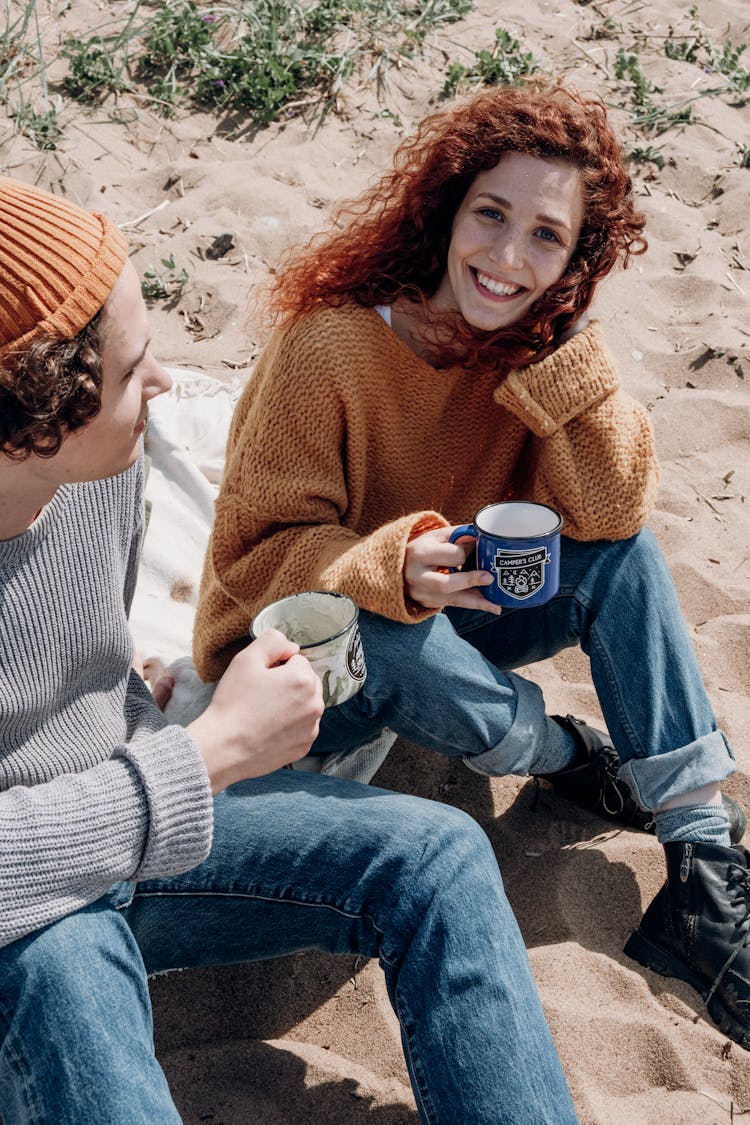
{"points": [[264, 713], [428, 581]]}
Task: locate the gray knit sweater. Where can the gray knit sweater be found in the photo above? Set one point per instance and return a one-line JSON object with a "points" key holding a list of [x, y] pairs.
{"points": [[94, 787]]}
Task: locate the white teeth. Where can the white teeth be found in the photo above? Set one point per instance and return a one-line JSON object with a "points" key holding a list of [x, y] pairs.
{"points": [[497, 287]]}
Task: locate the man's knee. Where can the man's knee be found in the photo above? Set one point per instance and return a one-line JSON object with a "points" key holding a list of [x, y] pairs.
{"points": [[453, 850], [76, 1040], [77, 965]]}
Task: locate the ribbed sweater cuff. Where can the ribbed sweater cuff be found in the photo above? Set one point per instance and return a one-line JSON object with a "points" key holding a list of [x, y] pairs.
{"points": [[430, 521], [180, 805], [576, 377]]}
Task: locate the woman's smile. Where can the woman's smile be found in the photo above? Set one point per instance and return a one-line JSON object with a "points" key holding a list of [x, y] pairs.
{"points": [[500, 289]]}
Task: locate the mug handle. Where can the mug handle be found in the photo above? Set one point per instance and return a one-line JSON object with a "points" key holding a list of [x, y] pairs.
{"points": [[459, 533]]}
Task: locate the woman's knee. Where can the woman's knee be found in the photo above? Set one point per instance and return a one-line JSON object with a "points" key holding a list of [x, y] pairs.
{"points": [[402, 644], [623, 572]]}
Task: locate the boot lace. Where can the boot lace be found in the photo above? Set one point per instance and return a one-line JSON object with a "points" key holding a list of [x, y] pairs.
{"points": [[607, 764]]}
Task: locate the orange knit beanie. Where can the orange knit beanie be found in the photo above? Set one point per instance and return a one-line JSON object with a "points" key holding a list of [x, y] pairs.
{"points": [[58, 265]]}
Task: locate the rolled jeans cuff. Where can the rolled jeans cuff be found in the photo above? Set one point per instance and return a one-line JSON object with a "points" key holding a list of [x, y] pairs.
{"points": [[515, 752], [657, 779]]}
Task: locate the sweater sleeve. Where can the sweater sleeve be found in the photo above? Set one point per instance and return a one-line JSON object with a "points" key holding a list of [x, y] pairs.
{"points": [[95, 787], [284, 521], [593, 444], [144, 813]]}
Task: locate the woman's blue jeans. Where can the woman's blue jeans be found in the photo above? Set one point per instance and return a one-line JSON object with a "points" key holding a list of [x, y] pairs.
{"points": [[448, 683], [299, 861]]}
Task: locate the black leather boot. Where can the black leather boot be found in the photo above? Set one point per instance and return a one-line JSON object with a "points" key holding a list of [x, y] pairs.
{"points": [[592, 782], [697, 929]]}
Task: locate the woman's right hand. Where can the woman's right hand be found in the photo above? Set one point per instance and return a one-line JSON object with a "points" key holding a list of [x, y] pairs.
{"points": [[264, 713], [429, 581]]}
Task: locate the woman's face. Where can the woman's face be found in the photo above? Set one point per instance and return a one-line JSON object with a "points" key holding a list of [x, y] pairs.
{"points": [[512, 238]]}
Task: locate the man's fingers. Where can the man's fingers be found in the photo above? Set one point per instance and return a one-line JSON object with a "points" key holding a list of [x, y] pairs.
{"points": [[274, 647]]}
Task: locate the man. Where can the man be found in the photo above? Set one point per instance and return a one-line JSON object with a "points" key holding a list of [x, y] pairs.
{"points": [[129, 846]]}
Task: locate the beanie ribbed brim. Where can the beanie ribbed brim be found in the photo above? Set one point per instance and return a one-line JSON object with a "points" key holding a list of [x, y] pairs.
{"points": [[58, 265]]}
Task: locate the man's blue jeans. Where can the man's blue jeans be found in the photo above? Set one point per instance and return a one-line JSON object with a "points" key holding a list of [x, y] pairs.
{"points": [[448, 683], [299, 861]]}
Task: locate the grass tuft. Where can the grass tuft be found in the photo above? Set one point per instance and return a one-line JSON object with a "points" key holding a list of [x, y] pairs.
{"points": [[505, 63], [715, 58], [648, 116], [256, 56], [167, 283]]}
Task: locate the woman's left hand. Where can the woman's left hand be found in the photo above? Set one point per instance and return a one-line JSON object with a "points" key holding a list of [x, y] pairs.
{"points": [[429, 581], [158, 677]]}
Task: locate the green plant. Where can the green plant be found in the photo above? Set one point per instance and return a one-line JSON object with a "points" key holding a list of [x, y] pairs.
{"points": [[22, 61], [657, 119], [94, 69], [388, 115], [167, 283], [176, 37], [647, 114], [727, 62], [628, 68], [646, 155], [743, 156], [42, 129], [268, 66], [723, 58], [608, 28], [15, 53], [253, 55], [683, 49], [505, 63], [98, 65]]}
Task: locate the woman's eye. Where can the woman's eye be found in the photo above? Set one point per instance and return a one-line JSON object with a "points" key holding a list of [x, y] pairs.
{"points": [[548, 235], [491, 212]]}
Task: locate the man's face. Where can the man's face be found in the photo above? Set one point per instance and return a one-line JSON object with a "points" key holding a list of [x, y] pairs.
{"points": [[131, 376]]}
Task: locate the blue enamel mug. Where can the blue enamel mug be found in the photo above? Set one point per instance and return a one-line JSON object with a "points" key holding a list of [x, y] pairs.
{"points": [[519, 543]]}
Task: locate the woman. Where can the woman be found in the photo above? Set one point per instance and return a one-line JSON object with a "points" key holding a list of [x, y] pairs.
{"points": [[435, 356]]}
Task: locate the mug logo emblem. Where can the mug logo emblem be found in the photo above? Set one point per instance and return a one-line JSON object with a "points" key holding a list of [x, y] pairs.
{"points": [[355, 657], [520, 573]]}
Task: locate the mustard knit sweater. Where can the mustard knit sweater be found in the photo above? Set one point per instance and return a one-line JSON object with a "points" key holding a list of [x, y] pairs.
{"points": [[345, 445]]}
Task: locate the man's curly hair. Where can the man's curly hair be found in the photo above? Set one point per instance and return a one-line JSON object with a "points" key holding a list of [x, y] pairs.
{"points": [[50, 390]]}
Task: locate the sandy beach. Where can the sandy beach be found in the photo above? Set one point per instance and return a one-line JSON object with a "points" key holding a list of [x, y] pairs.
{"points": [[313, 1038]]}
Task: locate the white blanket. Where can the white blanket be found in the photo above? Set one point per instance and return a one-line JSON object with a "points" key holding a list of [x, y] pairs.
{"points": [[185, 443]]}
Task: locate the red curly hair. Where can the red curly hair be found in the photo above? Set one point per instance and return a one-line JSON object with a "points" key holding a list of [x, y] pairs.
{"points": [[396, 237]]}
